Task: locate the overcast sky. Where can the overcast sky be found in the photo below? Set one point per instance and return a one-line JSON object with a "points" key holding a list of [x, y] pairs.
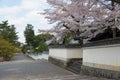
{"points": [[23, 12]]}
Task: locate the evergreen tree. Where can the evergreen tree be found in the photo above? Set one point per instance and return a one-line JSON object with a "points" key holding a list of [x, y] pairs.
{"points": [[29, 35], [8, 32]]}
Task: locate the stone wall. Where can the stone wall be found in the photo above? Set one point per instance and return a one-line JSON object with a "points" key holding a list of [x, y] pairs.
{"points": [[58, 62], [100, 72]]}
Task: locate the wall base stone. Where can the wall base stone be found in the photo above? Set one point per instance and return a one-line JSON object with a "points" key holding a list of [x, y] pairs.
{"points": [[100, 72], [73, 65], [57, 62]]}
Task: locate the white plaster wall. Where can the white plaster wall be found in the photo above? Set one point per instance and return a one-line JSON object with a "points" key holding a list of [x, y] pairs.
{"points": [[74, 53], [102, 55], [65, 53], [58, 53]]}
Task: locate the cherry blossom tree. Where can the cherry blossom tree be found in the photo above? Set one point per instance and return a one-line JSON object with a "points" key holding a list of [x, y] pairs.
{"points": [[84, 18], [113, 7]]}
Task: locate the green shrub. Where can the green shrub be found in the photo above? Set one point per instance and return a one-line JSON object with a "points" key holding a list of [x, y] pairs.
{"points": [[7, 50]]}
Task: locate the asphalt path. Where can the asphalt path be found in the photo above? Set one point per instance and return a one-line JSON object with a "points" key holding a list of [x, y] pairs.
{"points": [[21, 67]]}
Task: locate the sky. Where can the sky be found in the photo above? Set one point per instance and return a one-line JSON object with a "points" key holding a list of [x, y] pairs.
{"points": [[23, 12]]}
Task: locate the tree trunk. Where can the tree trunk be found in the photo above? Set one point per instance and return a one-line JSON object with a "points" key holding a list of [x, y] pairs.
{"points": [[113, 29], [114, 32]]}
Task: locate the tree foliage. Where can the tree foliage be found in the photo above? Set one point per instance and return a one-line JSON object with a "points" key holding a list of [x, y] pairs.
{"points": [[41, 47], [36, 41], [85, 18], [8, 32], [29, 34], [7, 50], [41, 38], [40, 42]]}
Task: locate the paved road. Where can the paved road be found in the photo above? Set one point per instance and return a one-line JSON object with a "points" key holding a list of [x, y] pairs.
{"points": [[24, 68], [21, 57]]}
